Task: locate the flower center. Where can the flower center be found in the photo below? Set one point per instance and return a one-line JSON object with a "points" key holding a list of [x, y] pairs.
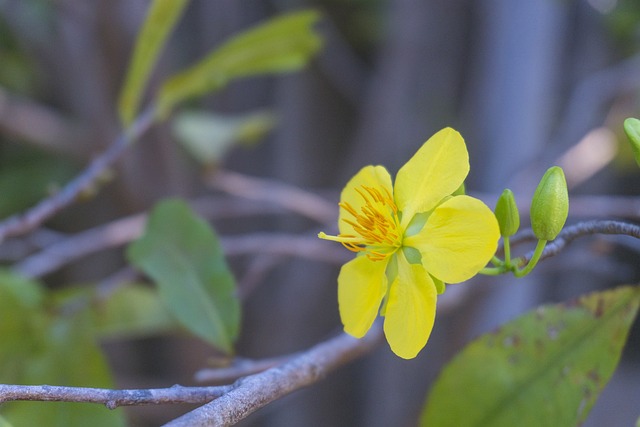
{"points": [[376, 224]]}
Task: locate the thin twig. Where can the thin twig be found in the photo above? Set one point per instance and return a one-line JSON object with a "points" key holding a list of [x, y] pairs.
{"points": [[45, 209], [114, 234], [124, 230], [256, 272], [587, 228], [294, 245], [270, 191], [239, 368], [39, 125], [252, 393], [111, 398]]}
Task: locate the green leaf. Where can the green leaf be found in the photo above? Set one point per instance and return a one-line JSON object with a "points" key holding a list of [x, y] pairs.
{"points": [[39, 346], [182, 254], [283, 44], [130, 312], [5, 423], [544, 368], [161, 18], [208, 136], [68, 356], [632, 129], [22, 325]]}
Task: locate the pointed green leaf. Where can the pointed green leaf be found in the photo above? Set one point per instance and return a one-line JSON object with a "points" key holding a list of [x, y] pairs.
{"points": [[161, 18], [209, 136], [283, 44], [182, 254], [545, 368]]}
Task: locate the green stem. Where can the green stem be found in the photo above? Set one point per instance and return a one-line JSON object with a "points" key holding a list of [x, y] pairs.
{"points": [[507, 253], [496, 261], [492, 271], [533, 261]]}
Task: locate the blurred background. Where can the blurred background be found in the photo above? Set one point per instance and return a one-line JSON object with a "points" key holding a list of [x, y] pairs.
{"points": [[528, 84]]}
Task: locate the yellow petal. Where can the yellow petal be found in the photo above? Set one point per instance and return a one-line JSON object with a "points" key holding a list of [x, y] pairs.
{"points": [[411, 310], [371, 176], [436, 170], [459, 238], [361, 286]]}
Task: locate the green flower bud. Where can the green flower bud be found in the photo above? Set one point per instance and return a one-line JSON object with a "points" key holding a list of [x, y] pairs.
{"points": [[507, 214], [632, 129], [550, 205]]}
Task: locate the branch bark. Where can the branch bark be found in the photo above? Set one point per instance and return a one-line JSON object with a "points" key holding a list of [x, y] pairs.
{"points": [[254, 392], [27, 221], [111, 398], [572, 232]]}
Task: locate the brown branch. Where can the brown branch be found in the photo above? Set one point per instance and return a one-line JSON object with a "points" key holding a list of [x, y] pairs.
{"points": [[252, 393], [236, 401], [240, 367], [111, 398], [304, 246], [270, 191], [126, 229], [587, 228], [27, 221], [39, 125]]}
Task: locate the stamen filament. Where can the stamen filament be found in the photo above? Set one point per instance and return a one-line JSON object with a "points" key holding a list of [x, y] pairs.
{"points": [[375, 224]]}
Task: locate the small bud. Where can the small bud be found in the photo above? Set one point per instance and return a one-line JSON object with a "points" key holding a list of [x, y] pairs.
{"points": [[632, 129], [507, 214], [550, 205]]}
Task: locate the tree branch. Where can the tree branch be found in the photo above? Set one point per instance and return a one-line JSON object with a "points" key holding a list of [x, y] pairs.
{"points": [[252, 393], [235, 401], [265, 190], [124, 230], [26, 221], [39, 125], [111, 398], [572, 232], [240, 367]]}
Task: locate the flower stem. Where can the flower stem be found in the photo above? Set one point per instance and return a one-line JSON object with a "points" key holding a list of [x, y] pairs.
{"points": [[533, 261], [492, 271], [507, 253]]}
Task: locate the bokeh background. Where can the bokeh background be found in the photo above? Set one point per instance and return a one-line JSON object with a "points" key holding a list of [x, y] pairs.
{"points": [[529, 84]]}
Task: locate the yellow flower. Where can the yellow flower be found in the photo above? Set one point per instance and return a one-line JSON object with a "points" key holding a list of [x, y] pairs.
{"points": [[410, 239]]}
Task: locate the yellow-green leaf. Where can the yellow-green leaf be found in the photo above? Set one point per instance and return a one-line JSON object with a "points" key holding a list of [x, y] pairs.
{"points": [[161, 18], [182, 254], [208, 137], [285, 43], [632, 129], [545, 368]]}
